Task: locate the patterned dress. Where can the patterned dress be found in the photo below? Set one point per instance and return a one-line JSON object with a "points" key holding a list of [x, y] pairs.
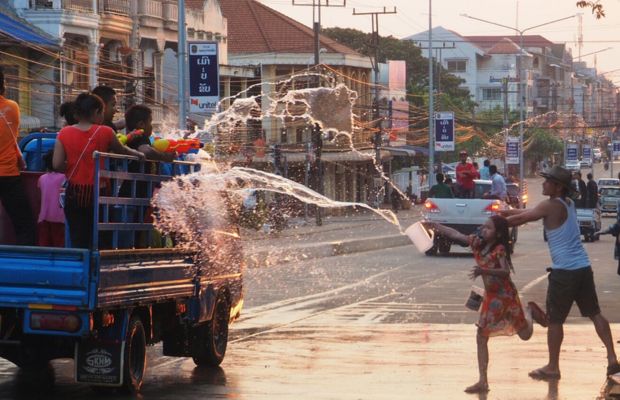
{"points": [[501, 313]]}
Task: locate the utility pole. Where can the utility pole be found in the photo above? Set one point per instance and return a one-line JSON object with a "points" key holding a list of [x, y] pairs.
{"points": [[182, 66], [431, 105], [374, 15], [506, 122], [316, 26]]}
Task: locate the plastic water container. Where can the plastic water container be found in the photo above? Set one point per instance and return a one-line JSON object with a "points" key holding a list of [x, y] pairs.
{"points": [[420, 236], [474, 301]]}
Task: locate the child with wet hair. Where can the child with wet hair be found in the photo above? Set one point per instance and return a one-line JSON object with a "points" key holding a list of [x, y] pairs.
{"points": [[501, 313]]}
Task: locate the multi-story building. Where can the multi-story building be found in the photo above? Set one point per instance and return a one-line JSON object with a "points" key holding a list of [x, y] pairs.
{"points": [[27, 57], [129, 45], [282, 50]]}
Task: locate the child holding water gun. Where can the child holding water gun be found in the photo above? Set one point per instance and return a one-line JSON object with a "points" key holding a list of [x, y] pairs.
{"points": [[501, 312]]}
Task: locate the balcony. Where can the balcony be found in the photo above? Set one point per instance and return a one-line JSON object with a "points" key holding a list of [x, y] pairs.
{"points": [[171, 15], [115, 7], [81, 6], [151, 13]]}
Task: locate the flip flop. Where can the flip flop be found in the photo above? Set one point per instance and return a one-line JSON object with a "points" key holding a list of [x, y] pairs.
{"points": [[543, 375], [538, 314], [477, 388], [613, 369]]}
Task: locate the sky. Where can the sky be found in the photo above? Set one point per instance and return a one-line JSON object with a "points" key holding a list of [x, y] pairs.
{"points": [[412, 17]]}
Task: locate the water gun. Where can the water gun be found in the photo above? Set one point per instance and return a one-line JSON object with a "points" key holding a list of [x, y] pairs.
{"points": [[179, 146], [125, 139]]}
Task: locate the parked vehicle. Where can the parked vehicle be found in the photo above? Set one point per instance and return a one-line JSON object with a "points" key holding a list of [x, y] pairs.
{"points": [[104, 307], [602, 182], [464, 215], [589, 222], [609, 196], [596, 152], [572, 165], [585, 163]]}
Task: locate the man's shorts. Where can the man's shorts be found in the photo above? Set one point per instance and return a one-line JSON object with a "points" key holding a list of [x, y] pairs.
{"points": [[568, 286]]}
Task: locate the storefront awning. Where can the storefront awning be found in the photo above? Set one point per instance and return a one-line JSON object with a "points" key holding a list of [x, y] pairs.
{"points": [[23, 32]]}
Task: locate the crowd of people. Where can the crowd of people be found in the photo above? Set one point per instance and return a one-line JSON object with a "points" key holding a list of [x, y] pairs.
{"points": [[466, 172], [67, 187]]}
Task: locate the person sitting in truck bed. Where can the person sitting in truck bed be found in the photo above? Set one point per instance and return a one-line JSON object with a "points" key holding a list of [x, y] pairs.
{"points": [[440, 190], [73, 153], [51, 223]]}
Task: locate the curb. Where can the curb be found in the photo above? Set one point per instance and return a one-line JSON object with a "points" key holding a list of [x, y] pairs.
{"points": [[263, 257]]}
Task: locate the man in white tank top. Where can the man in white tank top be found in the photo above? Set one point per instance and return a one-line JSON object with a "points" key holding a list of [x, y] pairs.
{"points": [[570, 278]]}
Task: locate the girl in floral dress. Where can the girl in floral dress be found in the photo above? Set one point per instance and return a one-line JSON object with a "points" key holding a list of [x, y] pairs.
{"points": [[501, 313]]}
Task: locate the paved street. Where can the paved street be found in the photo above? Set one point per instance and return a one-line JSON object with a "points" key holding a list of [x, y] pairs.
{"points": [[383, 324]]}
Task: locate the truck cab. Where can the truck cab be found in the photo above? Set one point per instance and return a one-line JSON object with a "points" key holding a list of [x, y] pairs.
{"points": [[103, 307]]}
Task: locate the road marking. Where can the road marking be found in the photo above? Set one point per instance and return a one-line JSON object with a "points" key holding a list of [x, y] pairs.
{"points": [[533, 283]]}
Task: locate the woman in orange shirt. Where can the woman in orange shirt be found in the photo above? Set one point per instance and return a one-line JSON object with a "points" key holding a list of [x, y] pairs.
{"points": [[73, 152], [12, 193]]}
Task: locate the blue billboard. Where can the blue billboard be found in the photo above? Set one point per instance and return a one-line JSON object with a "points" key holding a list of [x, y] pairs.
{"points": [[444, 131], [204, 79]]}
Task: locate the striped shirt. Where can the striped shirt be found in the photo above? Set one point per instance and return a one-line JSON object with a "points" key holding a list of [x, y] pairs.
{"points": [[565, 246]]}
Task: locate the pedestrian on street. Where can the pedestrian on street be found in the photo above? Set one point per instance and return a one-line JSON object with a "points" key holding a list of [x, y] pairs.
{"points": [[582, 191], [591, 192], [395, 200], [12, 192], [501, 313], [570, 277], [614, 230]]}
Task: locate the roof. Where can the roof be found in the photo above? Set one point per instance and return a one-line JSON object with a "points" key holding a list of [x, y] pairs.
{"points": [[486, 42], [504, 46], [255, 28], [22, 31]]}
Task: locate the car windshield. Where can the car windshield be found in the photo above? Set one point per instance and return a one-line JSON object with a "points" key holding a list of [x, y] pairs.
{"points": [[613, 192], [610, 182]]}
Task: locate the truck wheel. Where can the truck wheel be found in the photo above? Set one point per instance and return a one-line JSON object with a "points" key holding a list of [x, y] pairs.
{"points": [[134, 356], [211, 338], [444, 246]]}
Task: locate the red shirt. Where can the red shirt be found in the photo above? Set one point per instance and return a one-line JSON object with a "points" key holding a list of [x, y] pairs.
{"points": [[465, 175], [76, 141]]}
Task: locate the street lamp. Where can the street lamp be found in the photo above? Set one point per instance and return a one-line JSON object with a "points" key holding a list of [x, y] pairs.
{"points": [[520, 87]]}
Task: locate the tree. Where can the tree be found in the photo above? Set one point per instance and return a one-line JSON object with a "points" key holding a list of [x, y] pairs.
{"points": [[392, 48], [596, 6]]}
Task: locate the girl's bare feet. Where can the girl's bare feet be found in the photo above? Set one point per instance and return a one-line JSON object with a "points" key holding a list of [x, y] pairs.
{"points": [[479, 387]]}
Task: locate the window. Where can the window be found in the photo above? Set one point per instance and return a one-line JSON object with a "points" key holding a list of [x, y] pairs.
{"points": [[491, 94], [11, 82], [457, 65]]}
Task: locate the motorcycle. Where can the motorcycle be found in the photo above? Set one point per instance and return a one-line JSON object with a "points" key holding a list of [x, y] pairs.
{"points": [[606, 165]]}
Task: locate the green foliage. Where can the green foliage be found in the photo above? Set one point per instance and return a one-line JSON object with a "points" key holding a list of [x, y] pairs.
{"points": [[543, 144], [452, 97]]}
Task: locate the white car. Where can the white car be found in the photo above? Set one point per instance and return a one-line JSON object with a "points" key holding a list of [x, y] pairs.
{"points": [[585, 163], [572, 165], [596, 152], [600, 182]]}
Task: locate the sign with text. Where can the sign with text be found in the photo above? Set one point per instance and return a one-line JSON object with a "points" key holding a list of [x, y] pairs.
{"points": [[512, 150], [616, 147], [204, 80], [572, 151], [444, 131], [586, 152]]}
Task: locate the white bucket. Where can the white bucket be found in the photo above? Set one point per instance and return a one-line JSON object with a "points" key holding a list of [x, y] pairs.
{"points": [[421, 238]]}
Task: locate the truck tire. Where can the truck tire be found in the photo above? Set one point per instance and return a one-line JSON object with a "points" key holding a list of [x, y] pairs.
{"points": [[134, 356], [211, 339]]}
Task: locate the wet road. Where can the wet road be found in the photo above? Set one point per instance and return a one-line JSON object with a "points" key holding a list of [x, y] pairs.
{"points": [[376, 325]]}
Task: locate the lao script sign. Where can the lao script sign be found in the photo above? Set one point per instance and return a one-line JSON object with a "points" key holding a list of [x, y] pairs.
{"points": [[572, 151], [512, 150], [204, 81], [444, 131]]}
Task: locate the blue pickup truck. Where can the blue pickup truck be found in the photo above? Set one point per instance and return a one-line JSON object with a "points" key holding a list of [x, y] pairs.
{"points": [[103, 307]]}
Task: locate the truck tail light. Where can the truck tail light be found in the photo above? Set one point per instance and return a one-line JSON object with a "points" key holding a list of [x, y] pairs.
{"points": [[492, 207], [431, 207], [55, 322], [524, 198]]}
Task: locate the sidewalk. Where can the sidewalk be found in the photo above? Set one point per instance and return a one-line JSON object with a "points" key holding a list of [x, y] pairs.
{"points": [[363, 231]]}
